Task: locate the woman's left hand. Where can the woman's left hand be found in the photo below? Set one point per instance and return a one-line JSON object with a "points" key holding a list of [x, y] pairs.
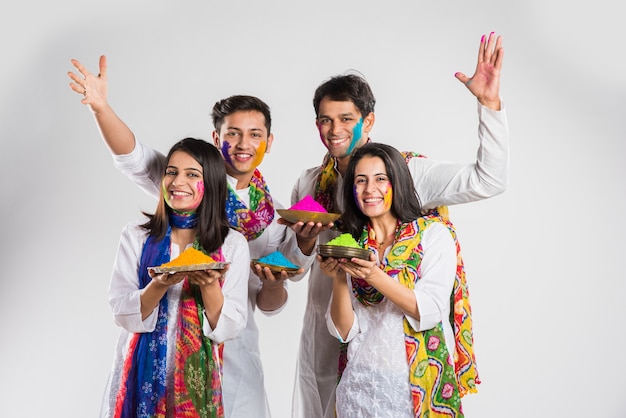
{"points": [[359, 268], [205, 277]]}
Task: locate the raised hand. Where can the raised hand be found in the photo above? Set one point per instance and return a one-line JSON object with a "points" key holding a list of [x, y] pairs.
{"points": [[485, 83], [94, 88]]}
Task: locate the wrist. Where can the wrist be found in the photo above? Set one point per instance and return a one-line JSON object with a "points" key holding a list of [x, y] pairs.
{"points": [[306, 245], [273, 286], [491, 104]]}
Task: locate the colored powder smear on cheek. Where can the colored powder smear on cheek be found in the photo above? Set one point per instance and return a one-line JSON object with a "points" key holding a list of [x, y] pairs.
{"points": [[357, 134], [387, 199], [359, 204], [225, 154], [260, 153], [308, 204], [199, 195], [166, 195], [277, 259]]}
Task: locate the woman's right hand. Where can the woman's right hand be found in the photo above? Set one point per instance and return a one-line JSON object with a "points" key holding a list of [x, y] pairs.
{"points": [[331, 267], [166, 279]]}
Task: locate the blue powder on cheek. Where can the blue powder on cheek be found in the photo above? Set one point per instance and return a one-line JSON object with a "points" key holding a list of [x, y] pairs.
{"points": [[277, 259], [357, 133]]}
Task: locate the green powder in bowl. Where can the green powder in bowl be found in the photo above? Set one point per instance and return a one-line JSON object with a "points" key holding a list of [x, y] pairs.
{"points": [[344, 240], [277, 259]]}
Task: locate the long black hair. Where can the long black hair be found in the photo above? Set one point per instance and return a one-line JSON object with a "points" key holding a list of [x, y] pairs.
{"points": [[212, 220], [405, 204]]}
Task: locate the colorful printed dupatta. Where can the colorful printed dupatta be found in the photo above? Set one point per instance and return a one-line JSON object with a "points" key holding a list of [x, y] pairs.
{"points": [[197, 370], [325, 184], [437, 381], [252, 221]]}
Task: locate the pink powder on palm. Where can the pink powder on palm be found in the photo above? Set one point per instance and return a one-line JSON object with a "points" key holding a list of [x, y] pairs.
{"points": [[308, 204]]}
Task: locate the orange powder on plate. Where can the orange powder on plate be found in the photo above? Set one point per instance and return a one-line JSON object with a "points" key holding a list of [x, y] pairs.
{"points": [[308, 204], [189, 257]]}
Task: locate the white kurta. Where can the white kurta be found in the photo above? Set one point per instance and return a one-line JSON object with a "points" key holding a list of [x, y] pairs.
{"points": [[244, 389], [437, 183], [124, 299], [375, 382]]}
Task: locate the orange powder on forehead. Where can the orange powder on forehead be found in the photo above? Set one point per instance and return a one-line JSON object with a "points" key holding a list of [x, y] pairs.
{"points": [[189, 257], [308, 204]]}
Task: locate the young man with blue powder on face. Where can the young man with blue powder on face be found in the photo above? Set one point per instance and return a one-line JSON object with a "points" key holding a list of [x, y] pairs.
{"points": [[344, 108]]}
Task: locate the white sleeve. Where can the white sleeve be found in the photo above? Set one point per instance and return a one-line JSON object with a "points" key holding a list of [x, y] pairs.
{"points": [[355, 329], [438, 269], [443, 183], [124, 293], [234, 313], [144, 166]]}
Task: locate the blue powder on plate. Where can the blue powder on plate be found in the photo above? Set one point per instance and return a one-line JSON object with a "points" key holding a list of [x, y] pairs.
{"points": [[277, 259]]}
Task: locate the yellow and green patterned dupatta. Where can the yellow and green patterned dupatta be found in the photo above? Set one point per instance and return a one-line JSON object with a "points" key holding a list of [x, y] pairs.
{"points": [[437, 381]]}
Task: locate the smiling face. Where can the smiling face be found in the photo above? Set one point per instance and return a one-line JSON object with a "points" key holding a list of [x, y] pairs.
{"points": [[372, 189], [341, 126], [183, 182], [243, 140]]}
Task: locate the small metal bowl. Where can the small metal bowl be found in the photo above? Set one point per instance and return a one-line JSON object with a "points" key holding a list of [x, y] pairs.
{"points": [[337, 251], [190, 267], [295, 216]]}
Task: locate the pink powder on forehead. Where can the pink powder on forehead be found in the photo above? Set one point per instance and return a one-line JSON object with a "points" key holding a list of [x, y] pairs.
{"points": [[309, 205]]}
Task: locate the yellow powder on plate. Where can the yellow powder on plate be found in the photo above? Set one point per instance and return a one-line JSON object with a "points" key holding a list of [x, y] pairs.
{"points": [[188, 257], [344, 240]]}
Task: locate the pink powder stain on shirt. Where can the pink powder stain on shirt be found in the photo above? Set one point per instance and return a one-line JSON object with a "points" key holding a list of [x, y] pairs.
{"points": [[308, 204]]}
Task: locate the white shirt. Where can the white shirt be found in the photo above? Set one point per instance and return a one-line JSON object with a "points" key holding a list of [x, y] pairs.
{"points": [[243, 386], [437, 183], [375, 382], [124, 299]]}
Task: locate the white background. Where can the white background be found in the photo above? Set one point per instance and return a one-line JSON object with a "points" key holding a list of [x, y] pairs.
{"points": [[542, 259]]}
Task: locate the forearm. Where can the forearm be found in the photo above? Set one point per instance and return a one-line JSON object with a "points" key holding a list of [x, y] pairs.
{"points": [[341, 311], [400, 295], [493, 104], [272, 296], [116, 134], [150, 297], [442, 183], [306, 245], [213, 300]]}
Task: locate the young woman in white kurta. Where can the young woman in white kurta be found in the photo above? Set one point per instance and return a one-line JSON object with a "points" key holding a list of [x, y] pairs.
{"points": [[376, 382], [177, 343]]}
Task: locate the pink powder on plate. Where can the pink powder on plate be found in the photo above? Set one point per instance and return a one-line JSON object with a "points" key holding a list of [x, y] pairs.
{"points": [[309, 205]]}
